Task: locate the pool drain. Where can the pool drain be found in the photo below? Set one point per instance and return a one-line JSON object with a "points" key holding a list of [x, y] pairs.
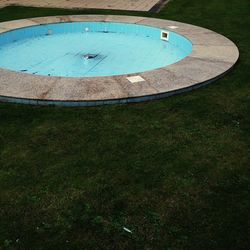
{"points": [[90, 56]]}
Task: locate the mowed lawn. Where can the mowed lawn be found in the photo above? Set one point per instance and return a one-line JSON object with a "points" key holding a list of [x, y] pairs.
{"points": [[176, 172]]}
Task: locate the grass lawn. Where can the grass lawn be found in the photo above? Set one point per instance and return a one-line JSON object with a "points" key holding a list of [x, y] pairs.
{"points": [[175, 171]]}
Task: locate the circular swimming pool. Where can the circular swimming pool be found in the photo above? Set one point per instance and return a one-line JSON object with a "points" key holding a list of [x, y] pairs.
{"points": [[90, 49], [90, 60]]}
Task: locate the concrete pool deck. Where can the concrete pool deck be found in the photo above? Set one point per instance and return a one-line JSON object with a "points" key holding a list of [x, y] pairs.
{"points": [[134, 5], [213, 55]]}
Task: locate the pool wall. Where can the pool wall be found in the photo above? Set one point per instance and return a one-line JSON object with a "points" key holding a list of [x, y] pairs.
{"points": [[83, 27]]}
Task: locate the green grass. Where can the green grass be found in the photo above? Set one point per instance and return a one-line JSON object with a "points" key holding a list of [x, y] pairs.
{"points": [[174, 171]]}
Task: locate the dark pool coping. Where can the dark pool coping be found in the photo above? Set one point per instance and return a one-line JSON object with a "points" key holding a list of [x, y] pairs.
{"points": [[213, 55]]}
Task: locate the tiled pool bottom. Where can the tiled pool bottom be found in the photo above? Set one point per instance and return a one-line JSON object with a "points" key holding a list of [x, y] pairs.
{"points": [[212, 56], [90, 49]]}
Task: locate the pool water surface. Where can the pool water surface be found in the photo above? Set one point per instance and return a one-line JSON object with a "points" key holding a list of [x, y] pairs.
{"points": [[90, 49]]}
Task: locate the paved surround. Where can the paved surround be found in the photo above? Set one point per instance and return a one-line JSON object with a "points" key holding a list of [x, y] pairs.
{"points": [[213, 55], [136, 5]]}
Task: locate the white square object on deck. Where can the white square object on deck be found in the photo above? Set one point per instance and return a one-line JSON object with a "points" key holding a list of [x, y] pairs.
{"points": [[173, 27], [135, 79]]}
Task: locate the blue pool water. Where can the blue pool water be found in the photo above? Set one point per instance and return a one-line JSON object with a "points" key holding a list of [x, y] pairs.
{"points": [[89, 49]]}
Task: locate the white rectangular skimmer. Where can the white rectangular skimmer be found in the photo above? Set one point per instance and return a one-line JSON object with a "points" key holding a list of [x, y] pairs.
{"points": [[135, 79], [173, 27]]}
